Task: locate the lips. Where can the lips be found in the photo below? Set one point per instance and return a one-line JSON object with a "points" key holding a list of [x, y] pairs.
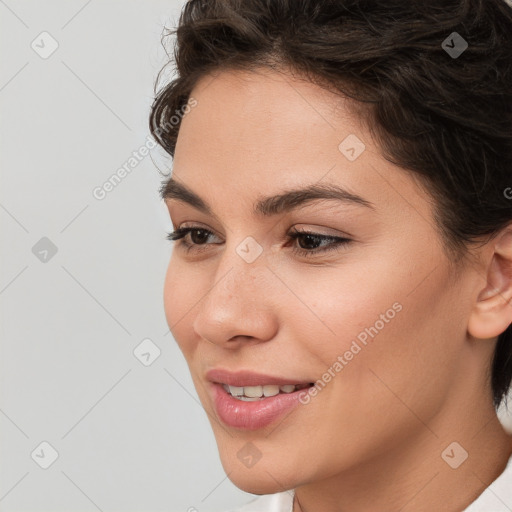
{"points": [[248, 378], [228, 391]]}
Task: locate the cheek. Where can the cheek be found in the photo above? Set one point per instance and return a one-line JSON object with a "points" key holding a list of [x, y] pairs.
{"points": [[340, 309], [391, 327], [407, 363]]}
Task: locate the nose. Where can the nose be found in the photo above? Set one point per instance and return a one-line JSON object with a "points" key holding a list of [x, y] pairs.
{"points": [[238, 307]]}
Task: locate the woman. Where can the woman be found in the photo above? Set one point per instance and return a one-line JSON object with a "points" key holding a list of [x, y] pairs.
{"points": [[341, 282]]}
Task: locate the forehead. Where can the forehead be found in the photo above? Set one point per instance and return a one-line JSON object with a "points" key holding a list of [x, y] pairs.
{"points": [[266, 125], [273, 104]]}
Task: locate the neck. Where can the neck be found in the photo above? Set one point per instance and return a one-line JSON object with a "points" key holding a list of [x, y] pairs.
{"points": [[418, 474]]}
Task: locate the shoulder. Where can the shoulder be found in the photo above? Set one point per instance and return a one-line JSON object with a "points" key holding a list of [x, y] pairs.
{"points": [[280, 502]]}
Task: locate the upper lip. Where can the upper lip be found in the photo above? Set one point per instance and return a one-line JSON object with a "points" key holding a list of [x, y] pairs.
{"points": [[248, 378]]}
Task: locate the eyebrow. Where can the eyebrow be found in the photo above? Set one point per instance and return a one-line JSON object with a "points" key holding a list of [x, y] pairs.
{"points": [[272, 205]]}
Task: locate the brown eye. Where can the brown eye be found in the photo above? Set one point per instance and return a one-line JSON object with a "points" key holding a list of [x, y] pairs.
{"points": [[313, 240]]}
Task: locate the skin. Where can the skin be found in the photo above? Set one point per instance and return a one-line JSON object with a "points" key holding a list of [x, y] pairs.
{"points": [[372, 438]]}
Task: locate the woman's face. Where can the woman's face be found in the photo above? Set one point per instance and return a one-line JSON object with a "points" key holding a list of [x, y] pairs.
{"points": [[376, 322]]}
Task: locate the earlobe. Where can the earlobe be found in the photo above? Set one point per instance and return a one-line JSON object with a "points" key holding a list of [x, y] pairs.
{"points": [[492, 311]]}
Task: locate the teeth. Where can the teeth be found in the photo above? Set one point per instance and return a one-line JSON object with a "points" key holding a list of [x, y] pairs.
{"points": [[271, 390], [236, 391], [252, 393]]}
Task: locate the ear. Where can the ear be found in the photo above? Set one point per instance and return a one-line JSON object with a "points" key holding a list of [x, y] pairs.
{"points": [[492, 312]]}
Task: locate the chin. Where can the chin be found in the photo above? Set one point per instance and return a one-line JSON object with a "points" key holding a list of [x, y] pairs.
{"points": [[256, 483], [258, 479]]}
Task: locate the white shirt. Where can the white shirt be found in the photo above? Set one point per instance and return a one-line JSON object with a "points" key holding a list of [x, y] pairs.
{"points": [[495, 498]]}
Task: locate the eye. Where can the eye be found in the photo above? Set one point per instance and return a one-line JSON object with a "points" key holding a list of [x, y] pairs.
{"points": [[336, 242], [197, 234], [198, 237]]}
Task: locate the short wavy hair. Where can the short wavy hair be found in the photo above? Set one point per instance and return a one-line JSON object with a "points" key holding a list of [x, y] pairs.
{"points": [[445, 117]]}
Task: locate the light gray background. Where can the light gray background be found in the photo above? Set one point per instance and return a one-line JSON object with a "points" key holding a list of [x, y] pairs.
{"points": [[129, 437]]}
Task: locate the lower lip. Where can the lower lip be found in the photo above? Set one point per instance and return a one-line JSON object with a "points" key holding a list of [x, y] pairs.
{"points": [[253, 415]]}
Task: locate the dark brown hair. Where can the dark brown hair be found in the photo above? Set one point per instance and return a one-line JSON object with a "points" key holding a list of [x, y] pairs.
{"points": [[445, 117]]}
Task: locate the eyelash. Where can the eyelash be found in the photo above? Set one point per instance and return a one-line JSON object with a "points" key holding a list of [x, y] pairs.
{"points": [[338, 242]]}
